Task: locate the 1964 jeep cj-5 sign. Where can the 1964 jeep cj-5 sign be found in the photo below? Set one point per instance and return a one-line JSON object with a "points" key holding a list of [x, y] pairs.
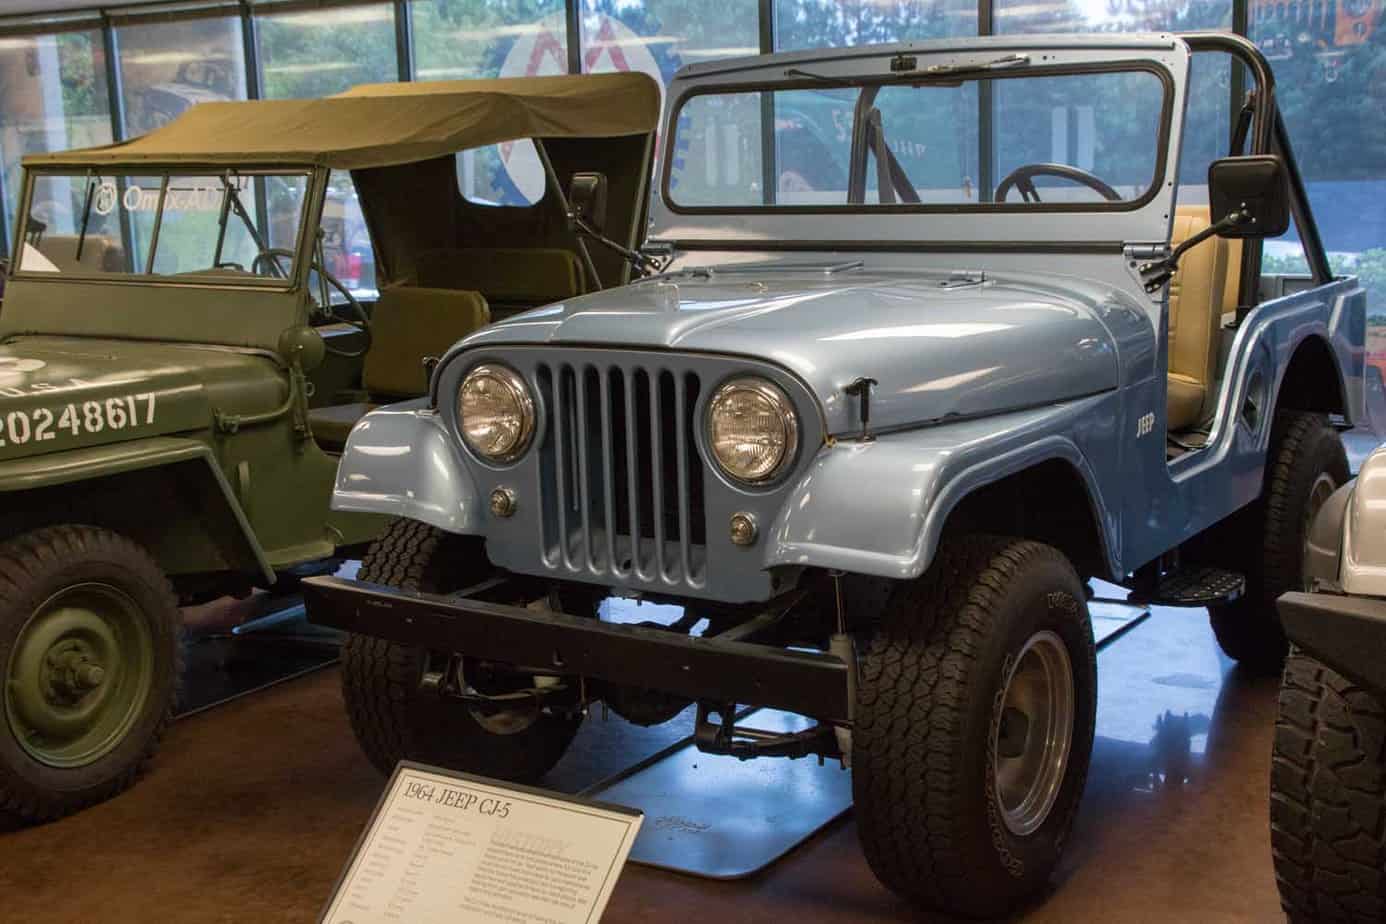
{"points": [[900, 422], [174, 352]]}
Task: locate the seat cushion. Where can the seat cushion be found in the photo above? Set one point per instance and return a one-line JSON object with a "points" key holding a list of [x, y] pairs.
{"points": [[332, 425], [410, 323], [518, 276], [1196, 298], [1184, 404], [99, 254]]}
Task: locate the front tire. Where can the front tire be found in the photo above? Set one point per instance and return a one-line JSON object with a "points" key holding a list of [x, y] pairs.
{"points": [[974, 726], [1306, 463], [393, 718], [90, 641], [1328, 797]]}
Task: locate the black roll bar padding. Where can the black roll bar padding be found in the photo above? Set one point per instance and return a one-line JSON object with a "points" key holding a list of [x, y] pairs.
{"points": [[856, 166]]}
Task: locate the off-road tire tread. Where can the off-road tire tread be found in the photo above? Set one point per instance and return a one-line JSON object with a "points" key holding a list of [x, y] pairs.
{"points": [[23, 560], [379, 677], [1328, 797], [376, 673], [912, 696], [1247, 630]]}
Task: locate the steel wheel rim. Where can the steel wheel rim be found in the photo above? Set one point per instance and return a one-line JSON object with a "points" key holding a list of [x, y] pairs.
{"points": [[79, 675], [1319, 493], [1034, 733]]}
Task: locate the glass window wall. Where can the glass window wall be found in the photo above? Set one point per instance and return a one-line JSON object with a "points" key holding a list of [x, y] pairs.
{"points": [[319, 53], [165, 67], [820, 23], [53, 96]]}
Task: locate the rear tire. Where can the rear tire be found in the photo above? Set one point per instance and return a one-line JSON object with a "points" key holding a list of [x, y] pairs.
{"points": [[91, 649], [392, 717], [1328, 797], [936, 741], [1305, 464]]}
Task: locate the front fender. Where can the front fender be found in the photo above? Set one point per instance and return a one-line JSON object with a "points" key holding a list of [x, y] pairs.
{"points": [[401, 462], [879, 507], [212, 502]]}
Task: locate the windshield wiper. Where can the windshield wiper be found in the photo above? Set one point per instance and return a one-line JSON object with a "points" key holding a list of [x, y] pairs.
{"points": [[902, 71], [822, 78], [951, 70], [86, 215]]}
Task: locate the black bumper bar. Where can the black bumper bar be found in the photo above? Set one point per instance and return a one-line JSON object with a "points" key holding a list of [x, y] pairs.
{"points": [[700, 668], [1346, 633]]}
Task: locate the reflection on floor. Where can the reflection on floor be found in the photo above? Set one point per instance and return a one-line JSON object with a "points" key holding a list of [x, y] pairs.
{"points": [[250, 809]]}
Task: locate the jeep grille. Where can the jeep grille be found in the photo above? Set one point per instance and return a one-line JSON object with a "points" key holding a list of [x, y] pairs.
{"points": [[621, 481]]}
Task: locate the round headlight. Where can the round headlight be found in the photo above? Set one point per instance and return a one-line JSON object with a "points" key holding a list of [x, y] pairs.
{"points": [[752, 430], [495, 412]]}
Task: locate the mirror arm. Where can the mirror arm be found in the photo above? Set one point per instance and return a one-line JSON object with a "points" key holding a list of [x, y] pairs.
{"points": [[642, 262], [1158, 272]]}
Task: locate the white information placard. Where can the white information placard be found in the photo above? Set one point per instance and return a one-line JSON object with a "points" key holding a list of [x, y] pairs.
{"points": [[449, 848]]}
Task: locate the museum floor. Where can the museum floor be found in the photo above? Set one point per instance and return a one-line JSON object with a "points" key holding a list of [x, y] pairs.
{"points": [[251, 808]]}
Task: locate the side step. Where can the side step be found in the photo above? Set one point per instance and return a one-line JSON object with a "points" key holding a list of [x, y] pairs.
{"points": [[1193, 586]]}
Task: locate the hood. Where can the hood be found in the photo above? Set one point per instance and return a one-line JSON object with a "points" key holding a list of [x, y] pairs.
{"points": [[937, 346], [66, 393]]}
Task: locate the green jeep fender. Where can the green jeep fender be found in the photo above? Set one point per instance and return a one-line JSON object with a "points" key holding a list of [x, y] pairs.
{"points": [[139, 488]]}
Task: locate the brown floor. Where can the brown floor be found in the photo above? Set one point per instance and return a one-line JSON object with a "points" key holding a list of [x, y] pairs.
{"points": [[251, 808]]}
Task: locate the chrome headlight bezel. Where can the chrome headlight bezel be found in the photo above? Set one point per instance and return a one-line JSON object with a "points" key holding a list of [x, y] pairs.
{"points": [[523, 397], [783, 408]]}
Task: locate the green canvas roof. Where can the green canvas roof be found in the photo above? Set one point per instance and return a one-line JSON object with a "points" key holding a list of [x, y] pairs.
{"points": [[381, 125]]}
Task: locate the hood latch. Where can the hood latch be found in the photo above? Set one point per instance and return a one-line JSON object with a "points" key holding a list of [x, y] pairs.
{"points": [[861, 390]]}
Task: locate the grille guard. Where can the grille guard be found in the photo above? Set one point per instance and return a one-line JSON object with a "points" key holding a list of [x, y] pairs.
{"points": [[706, 669]]}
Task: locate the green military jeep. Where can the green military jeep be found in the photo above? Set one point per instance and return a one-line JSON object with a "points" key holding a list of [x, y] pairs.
{"points": [[179, 369]]}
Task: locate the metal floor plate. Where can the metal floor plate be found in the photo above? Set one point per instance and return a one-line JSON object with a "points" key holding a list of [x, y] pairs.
{"points": [[722, 818], [222, 666]]}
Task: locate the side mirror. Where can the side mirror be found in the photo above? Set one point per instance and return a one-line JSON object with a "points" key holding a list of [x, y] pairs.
{"points": [[587, 201], [1249, 196]]}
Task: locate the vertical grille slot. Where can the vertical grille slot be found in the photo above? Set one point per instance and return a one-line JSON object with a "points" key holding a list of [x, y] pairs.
{"points": [[621, 481]]}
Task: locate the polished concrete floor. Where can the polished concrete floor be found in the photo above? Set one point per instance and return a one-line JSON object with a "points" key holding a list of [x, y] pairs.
{"points": [[251, 808]]}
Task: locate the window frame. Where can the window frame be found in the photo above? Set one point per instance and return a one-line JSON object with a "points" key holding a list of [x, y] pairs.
{"points": [[309, 219], [1124, 66]]}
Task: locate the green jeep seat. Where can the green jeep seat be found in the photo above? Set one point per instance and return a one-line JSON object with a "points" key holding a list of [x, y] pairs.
{"points": [[512, 279], [407, 324]]}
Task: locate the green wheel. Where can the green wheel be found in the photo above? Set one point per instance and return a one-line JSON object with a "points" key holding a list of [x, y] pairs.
{"points": [[89, 644]]}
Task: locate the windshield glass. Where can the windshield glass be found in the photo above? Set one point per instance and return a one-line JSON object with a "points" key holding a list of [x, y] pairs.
{"points": [[1045, 139], [164, 224]]}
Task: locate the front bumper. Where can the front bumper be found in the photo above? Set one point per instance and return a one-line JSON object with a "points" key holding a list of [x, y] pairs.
{"points": [[1347, 633], [705, 669]]}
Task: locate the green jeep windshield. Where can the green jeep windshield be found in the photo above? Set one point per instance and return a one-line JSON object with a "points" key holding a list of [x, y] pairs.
{"points": [[922, 140], [164, 224]]}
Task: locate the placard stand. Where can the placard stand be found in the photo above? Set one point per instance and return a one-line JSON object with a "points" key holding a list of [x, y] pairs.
{"points": [[451, 847]]}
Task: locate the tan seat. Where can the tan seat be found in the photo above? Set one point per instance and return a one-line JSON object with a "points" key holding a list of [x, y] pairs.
{"points": [[407, 324], [1198, 297], [99, 254], [511, 278]]}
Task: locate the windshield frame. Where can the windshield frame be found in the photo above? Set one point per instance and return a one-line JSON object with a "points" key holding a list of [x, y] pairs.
{"points": [[308, 222], [859, 82]]}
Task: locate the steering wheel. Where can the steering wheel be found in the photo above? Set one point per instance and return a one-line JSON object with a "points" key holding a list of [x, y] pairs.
{"points": [[1023, 179], [357, 317]]}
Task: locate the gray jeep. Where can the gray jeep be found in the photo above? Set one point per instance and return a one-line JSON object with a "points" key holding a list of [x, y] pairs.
{"points": [[874, 440], [1328, 769]]}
